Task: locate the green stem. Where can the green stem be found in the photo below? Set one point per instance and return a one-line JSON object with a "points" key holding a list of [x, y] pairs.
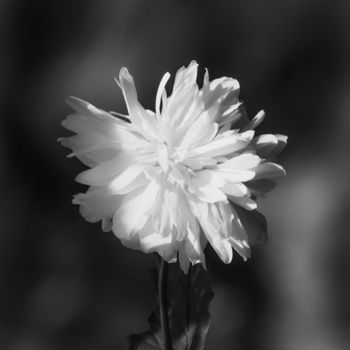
{"points": [[163, 304]]}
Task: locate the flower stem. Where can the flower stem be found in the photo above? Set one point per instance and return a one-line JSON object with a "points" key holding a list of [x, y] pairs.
{"points": [[163, 304]]}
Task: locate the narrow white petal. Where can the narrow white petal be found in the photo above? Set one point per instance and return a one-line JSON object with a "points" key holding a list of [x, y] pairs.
{"points": [[160, 91], [220, 146], [129, 91], [243, 161], [143, 121]]}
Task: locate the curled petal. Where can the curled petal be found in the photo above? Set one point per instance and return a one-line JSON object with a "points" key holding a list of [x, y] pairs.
{"points": [[265, 145], [282, 142], [269, 170]]}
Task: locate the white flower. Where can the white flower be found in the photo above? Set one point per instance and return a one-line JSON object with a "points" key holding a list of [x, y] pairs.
{"points": [[171, 180]]}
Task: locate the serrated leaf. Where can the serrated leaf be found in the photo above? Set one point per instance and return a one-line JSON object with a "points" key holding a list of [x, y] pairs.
{"points": [[189, 297]]}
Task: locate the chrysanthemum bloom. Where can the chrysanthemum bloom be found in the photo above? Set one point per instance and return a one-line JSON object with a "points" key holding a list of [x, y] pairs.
{"points": [[172, 180]]}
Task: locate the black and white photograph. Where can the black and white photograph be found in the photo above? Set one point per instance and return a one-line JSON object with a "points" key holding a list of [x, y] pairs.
{"points": [[175, 175]]}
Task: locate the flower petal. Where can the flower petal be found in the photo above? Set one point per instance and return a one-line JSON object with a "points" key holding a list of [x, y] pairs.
{"points": [[199, 163], [100, 136], [134, 211], [143, 120], [260, 186], [130, 179], [244, 201], [240, 162], [265, 144], [221, 146], [237, 176], [269, 170], [212, 230], [256, 121], [206, 184], [97, 203], [235, 189], [224, 90], [160, 91], [254, 223], [200, 132], [104, 173], [239, 237], [186, 76], [282, 142]]}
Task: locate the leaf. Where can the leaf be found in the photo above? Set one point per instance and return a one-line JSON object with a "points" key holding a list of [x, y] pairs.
{"points": [[189, 297]]}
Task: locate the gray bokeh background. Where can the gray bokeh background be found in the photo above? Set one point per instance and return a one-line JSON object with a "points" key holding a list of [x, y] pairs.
{"points": [[64, 284]]}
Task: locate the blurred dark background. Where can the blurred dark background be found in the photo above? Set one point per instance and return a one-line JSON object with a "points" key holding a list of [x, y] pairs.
{"points": [[64, 284]]}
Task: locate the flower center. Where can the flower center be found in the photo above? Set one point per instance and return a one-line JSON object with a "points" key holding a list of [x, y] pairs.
{"points": [[168, 160]]}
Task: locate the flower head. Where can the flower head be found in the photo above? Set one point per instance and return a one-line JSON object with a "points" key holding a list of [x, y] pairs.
{"points": [[172, 180]]}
